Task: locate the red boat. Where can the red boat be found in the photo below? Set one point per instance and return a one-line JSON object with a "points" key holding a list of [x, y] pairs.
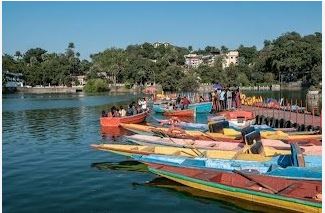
{"points": [[116, 121], [180, 113], [285, 194]]}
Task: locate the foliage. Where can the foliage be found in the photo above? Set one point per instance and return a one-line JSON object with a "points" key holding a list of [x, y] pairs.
{"points": [[292, 56], [96, 85]]}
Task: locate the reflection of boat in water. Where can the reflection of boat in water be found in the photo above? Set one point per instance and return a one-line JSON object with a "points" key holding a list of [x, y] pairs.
{"points": [[112, 131], [238, 205], [128, 165]]}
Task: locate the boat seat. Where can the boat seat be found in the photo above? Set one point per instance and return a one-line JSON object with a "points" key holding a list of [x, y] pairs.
{"points": [[218, 126], [250, 137], [246, 131]]}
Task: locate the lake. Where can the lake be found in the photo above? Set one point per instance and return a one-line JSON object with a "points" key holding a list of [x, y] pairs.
{"points": [[49, 166]]}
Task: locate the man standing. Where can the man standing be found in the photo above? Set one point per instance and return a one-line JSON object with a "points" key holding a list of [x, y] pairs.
{"points": [[222, 99]]}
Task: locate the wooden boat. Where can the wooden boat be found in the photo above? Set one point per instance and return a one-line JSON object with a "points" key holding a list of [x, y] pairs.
{"points": [[242, 154], [180, 113], [146, 140], [279, 166], [292, 195], [117, 121], [203, 107], [227, 134]]}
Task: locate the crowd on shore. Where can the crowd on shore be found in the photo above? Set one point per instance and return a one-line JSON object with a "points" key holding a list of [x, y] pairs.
{"points": [[225, 99], [132, 109]]}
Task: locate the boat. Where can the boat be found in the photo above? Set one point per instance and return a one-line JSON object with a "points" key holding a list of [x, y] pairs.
{"points": [[247, 153], [117, 121], [180, 113], [239, 118], [218, 132], [203, 107], [279, 166], [286, 194], [146, 140]]}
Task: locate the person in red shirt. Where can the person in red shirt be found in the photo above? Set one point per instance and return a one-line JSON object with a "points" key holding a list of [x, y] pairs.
{"points": [[185, 102]]}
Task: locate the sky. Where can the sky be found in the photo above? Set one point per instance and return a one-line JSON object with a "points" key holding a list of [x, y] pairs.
{"points": [[96, 26]]}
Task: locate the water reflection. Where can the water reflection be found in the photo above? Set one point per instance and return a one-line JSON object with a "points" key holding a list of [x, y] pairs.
{"points": [[224, 201], [128, 165]]}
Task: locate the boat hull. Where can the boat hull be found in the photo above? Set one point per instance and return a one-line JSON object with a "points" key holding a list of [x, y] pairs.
{"points": [[117, 121], [267, 199], [204, 107], [180, 113]]}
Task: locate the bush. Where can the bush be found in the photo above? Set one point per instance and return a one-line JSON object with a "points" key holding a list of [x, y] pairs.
{"points": [[96, 85]]}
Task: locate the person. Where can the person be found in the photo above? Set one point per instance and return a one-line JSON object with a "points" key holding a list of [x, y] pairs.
{"points": [[134, 108], [114, 112], [170, 106], [186, 102], [210, 96], [201, 99], [238, 101], [104, 114], [229, 99], [122, 111], [144, 104], [129, 111], [233, 101], [222, 99]]}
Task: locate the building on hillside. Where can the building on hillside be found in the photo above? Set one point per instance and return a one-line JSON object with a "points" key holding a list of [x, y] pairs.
{"points": [[232, 57], [157, 44], [82, 79], [193, 60], [12, 80]]}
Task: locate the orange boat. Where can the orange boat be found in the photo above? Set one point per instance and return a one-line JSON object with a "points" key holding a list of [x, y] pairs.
{"points": [[237, 114], [116, 121], [180, 113]]}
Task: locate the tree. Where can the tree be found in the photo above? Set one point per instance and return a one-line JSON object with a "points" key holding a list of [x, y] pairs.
{"points": [[71, 45], [224, 49], [34, 52], [190, 48], [111, 61], [18, 54]]}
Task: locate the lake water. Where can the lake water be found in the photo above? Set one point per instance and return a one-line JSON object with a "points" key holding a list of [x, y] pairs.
{"points": [[49, 166]]}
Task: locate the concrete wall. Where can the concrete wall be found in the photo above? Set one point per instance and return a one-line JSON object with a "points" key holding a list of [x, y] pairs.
{"points": [[42, 90]]}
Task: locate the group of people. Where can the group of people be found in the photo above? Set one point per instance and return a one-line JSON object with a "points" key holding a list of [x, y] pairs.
{"points": [[182, 102], [225, 99], [132, 109]]}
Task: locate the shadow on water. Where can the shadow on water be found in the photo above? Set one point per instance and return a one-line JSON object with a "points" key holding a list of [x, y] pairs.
{"points": [[128, 165], [238, 205]]}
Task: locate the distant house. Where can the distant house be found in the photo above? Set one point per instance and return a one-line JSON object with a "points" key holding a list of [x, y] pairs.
{"points": [[82, 79], [157, 44], [231, 57], [193, 60], [13, 80]]}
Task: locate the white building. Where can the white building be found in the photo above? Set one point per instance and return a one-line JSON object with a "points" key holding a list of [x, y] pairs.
{"points": [[193, 60], [230, 58], [157, 44]]}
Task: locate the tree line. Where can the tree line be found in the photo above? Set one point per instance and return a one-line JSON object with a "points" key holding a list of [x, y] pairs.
{"points": [[290, 57]]}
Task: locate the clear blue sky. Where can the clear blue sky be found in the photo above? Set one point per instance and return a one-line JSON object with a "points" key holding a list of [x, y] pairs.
{"points": [[95, 26]]}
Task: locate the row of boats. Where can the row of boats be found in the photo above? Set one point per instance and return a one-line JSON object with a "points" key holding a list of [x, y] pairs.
{"points": [[279, 168]]}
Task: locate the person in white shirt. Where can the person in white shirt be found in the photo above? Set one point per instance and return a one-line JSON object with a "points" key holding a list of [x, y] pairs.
{"points": [[222, 99], [122, 111], [229, 99], [144, 104]]}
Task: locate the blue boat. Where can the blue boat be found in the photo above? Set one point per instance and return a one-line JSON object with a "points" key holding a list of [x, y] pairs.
{"points": [[279, 166], [204, 107], [292, 166]]}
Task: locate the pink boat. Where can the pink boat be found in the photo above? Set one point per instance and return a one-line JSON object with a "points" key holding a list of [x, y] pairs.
{"points": [[308, 149]]}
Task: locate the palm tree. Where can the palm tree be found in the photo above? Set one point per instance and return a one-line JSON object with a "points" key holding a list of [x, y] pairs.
{"points": [[18, 54], [71, 45]]}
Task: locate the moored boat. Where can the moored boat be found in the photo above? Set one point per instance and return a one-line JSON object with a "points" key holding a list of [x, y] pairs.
{"points": [[203, 107], [180, 113], [292, 195], [117, 121]]}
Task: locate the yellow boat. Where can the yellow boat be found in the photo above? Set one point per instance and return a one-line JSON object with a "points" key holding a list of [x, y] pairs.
{"points": [[228, 133], [265, 155]]}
